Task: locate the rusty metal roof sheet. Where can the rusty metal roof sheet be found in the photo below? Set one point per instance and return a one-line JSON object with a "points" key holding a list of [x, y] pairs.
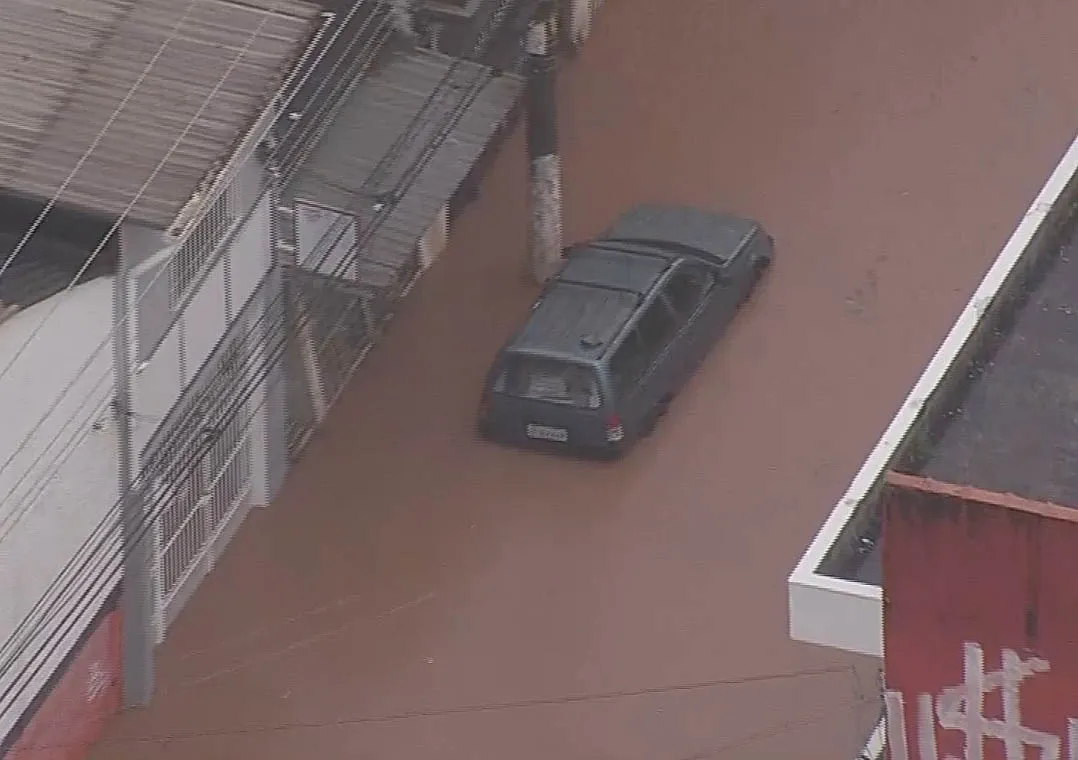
{"points": [[66, 66], [338, 173]]}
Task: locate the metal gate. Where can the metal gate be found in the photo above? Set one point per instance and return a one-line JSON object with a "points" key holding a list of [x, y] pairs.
{"points": [[333, 322], [198, 464]]}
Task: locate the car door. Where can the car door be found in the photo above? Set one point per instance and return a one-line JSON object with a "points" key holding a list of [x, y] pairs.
{"points": [[690, 292], [657, 330], [628, 366]]}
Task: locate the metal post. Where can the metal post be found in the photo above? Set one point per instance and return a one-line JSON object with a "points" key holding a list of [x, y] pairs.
{"points": [[139, 635], [545, 240]]}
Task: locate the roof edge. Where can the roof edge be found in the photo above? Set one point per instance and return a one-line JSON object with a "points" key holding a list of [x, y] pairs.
{"points": [[217, 179], [1030, 240], [972, 494]]}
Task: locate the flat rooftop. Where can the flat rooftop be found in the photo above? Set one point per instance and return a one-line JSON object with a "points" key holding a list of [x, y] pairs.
{"points": [[1010, 426], [1011, 429]]}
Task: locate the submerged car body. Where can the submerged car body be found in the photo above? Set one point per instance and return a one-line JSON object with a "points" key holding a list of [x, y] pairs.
{"points": [[621, 327]]}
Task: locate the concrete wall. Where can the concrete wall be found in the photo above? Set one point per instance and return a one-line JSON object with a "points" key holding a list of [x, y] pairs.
{"points": [[58, 483], [979, 582]]}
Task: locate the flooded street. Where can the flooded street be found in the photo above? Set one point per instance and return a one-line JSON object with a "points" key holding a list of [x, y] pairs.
{"points": [[416, 594]]}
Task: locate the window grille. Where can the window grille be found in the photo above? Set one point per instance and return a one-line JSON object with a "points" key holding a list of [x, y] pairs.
{"points": [[196, 251]]}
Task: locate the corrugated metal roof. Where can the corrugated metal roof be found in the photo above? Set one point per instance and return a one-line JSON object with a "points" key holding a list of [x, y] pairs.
{"points": [[66, 66], [338, 172]]}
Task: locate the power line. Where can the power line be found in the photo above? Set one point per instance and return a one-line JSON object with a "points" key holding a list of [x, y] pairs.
{"points": [[96, 141], [405, 180], [494, 707], [266, 16], [141, 481], [173, 32], [9, 521], [82, 160], [786, 727], [290, 82]]}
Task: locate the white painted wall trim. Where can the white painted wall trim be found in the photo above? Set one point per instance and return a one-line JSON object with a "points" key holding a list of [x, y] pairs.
{"points": [[813, 597]]}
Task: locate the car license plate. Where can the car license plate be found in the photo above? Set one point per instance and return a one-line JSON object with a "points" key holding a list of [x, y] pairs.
{"points": [[545, 433]]}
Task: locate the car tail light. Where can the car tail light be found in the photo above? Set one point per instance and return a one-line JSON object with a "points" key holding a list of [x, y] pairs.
{"points": [[614, 431]]}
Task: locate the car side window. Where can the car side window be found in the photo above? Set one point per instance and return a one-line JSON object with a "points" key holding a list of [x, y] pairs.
{"points": [[687, 289], [657, 327], [628, 364], [641, 347]]}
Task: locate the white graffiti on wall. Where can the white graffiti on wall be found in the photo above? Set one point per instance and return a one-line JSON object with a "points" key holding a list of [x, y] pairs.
{"points": [[961, 708], [98, 681]]}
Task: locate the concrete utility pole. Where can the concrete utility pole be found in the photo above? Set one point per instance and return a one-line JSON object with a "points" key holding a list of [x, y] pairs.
{"points": [[139, 602], [545, 239]]}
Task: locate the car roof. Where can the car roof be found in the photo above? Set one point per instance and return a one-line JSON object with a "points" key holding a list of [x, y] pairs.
{"points": [[575, 321], [682, 230], [609, 267]]}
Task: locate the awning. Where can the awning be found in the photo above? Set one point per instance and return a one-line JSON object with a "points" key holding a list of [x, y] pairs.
{"points": [[359, 160]]}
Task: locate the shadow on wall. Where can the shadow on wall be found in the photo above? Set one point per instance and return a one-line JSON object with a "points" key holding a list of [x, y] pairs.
{"points": [[55, 252]]}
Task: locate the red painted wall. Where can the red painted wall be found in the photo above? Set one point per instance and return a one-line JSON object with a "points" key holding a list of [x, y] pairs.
{"points": [[83, 699], [963, 566]]}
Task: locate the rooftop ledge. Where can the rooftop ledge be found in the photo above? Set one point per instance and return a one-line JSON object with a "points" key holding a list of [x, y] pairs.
{"points": [[835, 598]]}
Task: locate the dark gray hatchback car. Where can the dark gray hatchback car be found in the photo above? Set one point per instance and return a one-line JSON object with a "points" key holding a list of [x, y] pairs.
{"points": [[620, 328]]}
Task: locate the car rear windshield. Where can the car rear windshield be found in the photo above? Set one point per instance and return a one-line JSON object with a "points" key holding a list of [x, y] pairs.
{"points": [[550, 380]]}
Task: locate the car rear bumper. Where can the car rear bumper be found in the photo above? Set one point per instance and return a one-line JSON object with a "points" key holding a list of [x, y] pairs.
{"points": [[589, 447]]}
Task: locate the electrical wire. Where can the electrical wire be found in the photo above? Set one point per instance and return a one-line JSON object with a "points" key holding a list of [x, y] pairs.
{"points": [[151, 515], [596, 697], [9, 521], [78, 166], [289, 83], [786, 727], [419, 166], [517, 705], [173, 32], [97, 140], [267, 15]]}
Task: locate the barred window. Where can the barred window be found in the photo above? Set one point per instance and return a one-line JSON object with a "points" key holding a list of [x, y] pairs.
{"points": [[188, 263]]}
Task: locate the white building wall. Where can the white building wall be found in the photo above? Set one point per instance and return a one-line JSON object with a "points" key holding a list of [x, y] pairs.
{"points": [[173, 346], [58, 481], [60, 544]]}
